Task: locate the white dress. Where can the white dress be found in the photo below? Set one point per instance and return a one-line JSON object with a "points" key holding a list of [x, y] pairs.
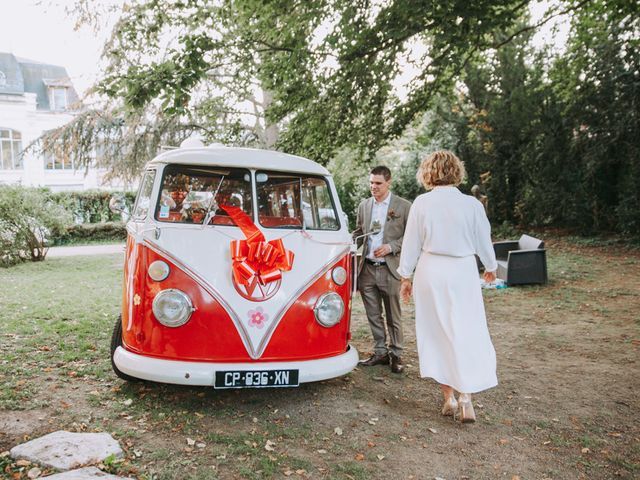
{"points": [[444, 230]]}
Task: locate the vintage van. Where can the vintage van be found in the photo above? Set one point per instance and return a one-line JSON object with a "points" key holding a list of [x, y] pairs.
{"points": [[238, 272]]}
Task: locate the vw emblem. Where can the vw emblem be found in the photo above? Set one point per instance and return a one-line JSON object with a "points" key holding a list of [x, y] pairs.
{"points": [[255, 292]]}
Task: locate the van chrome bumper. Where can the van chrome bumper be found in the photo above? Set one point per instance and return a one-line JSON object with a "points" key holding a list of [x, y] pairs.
{"points": [[203, 373]]}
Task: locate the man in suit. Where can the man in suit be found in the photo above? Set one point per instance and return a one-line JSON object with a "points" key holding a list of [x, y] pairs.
{"points": [[378, 279]]}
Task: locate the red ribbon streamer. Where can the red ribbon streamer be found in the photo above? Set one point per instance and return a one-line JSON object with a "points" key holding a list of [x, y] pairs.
{"points": [[255, 258]]}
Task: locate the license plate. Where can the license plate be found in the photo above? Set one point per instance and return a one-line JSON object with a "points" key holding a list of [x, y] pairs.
{"points": [[256, 378]]}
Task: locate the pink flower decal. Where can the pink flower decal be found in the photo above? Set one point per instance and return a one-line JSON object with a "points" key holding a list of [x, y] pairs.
{"points": [[257, 318]]}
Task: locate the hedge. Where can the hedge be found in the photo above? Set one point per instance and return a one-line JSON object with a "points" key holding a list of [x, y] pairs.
{"points": [[92, 232], [91, 206]]}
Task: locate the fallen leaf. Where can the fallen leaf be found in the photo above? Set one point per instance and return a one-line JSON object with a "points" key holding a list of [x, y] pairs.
{"points": [[288, 473], [359, 457], [337, 431], [127, 402], [301, 471], [585, 450], [201, 445], [35, 472], [191, 442], [503, 441], [321, 451], [269, 446], [380, 457], [432, 430]]}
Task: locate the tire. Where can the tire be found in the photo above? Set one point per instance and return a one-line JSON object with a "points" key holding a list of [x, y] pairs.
{"points": [[116, 341]]}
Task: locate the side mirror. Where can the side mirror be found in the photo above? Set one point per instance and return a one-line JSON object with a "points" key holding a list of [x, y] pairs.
{"points": [[375, 229], [117, 204]]}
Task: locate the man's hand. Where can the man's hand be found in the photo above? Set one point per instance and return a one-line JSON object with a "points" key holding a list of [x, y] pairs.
{"points": [[489, 277], [382, 250], [405, 290]]}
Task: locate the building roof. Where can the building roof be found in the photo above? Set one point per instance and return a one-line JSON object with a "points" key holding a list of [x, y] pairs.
{"points": [[20, 75]]}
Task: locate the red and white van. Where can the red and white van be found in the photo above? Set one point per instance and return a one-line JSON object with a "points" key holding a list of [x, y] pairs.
{"points": [[238, 273]]}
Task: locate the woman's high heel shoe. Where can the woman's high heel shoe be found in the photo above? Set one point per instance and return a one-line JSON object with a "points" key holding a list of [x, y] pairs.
{"points": [[450, 406], [465, 410]]}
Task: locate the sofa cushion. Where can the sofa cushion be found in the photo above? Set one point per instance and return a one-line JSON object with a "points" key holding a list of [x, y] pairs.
{"points": [[529, 243]]}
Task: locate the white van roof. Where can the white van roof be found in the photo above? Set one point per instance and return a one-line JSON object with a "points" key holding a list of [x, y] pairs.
{"points": [[240, 157]]}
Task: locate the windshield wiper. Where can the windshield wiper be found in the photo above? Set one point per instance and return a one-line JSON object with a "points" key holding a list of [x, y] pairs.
{"points": [[212, 203]]}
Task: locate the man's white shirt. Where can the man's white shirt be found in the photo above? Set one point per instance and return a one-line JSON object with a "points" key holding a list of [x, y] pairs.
{"points": [[379, 213]]}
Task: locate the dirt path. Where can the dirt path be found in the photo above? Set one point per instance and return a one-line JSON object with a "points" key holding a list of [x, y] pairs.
{"points": [[566, 406]]}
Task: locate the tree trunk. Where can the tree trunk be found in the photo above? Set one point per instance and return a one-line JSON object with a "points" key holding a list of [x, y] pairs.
{"points": [[271, 130]]}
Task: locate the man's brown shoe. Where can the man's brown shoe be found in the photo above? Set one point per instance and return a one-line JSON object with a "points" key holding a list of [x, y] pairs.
{"points": [[375, 360], [396, 364]]}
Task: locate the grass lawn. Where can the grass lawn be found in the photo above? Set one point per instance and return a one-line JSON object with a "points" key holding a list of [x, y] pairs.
{"points": [[567, 365]]}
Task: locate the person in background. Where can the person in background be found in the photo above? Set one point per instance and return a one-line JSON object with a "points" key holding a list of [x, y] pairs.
{"points": [[445, 230], [483, 199], [378, 279]]}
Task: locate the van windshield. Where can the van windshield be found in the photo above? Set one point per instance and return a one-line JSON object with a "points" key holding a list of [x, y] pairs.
{"points": [[286, 200], [189, 192]]}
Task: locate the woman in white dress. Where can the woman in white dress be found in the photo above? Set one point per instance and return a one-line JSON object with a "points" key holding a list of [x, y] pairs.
{"points": [[444, 230]]}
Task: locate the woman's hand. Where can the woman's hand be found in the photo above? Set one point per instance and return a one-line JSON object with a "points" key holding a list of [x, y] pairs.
{"points": [[489, 277], [405, 290]]}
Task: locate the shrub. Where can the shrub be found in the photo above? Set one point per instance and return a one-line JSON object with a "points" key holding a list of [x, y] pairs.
{"points": [[28, 217], [97, 232]]}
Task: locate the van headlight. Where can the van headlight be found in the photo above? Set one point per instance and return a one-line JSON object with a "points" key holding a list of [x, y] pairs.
{"points": [[329, 309], [339, 275], [159, 270], [172, 307]]}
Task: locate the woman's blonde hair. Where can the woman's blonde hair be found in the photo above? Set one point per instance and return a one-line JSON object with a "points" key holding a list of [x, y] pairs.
{"points": [[441, 168]]}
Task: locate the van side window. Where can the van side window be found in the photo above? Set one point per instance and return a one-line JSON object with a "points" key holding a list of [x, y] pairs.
{"points": [[285, 200], [144, 195], [188, 193]]}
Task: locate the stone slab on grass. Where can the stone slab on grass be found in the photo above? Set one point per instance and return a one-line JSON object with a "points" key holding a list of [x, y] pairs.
{"points": [[88, 473], [67, 450]]}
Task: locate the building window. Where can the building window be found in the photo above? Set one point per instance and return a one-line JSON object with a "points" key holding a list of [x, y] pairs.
{"points": [[10, 149], [3, 79], [58, 160], [58, 98]]}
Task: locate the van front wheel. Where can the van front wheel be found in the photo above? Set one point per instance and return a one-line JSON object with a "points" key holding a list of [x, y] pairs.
{"points": [[116, 341]]}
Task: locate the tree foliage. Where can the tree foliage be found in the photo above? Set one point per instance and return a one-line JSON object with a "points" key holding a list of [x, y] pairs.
{"points": [[556, 137], [327, 68]]}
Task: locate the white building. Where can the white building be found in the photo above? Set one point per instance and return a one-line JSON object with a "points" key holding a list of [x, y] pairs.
{"points": [[34, 98]]}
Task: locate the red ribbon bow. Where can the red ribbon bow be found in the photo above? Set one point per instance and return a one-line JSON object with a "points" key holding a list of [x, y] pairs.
{"points": [[255, 259]]}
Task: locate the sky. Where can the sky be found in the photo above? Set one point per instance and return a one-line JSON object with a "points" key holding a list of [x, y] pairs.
{"points": [[41, 30]]}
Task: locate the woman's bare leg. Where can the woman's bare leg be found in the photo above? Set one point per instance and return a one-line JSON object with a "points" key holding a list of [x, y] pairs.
{"points": [[450, 405]]}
